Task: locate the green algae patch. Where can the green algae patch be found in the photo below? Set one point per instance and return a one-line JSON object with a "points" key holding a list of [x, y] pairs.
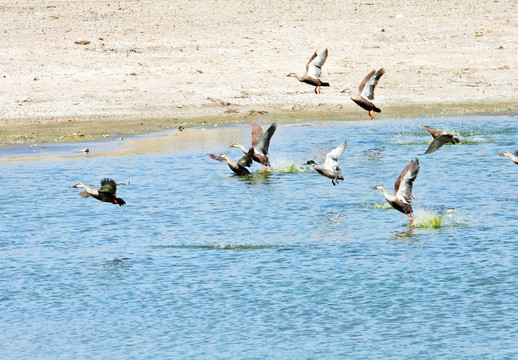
{"points": [[432, 221]]}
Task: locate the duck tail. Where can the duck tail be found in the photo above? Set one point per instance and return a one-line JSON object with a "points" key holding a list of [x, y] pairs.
{"points": [[378, 110], [324, 84], [119, 201]]}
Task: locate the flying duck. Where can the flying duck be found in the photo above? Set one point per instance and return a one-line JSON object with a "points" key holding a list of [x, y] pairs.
{"points": [[330, 167], [366, 92], [403, 190], [439, 139], [239, 167], [106, 193], [313, 71], [514, 157], [260, 143]]}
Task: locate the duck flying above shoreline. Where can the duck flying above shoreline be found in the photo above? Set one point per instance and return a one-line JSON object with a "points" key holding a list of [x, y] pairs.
{"points": [[260, 144], [106, 193], [314, 72], [330, 167], [366, 92], [439, 139], [514, 157], [402, 198], [239, 167]]}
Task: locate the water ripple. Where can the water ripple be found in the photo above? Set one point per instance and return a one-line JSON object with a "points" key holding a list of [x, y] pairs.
{"points": [[282, 264]]}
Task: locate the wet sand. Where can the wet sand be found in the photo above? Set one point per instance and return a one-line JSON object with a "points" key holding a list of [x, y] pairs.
{"points": [[75, 71]]}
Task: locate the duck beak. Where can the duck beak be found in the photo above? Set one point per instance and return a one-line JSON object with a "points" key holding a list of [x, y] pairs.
{"points": [[374, 188], [74, 187]]}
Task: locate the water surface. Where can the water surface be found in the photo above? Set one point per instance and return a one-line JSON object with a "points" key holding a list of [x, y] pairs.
{"points": [[282, 265]]}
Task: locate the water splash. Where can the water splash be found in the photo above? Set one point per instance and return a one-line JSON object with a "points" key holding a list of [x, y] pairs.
{"points": [[487, 131], [426, 218], [477, 140], [258, 176], [372, 154], [227, 246], [423, 218], [285, 165], [404, 142], [384, 206], [406, 138]]}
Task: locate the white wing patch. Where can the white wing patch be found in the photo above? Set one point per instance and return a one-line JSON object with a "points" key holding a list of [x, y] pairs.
{"points": [[331, 159], [405, 187], [315, 66], [368, 90]]}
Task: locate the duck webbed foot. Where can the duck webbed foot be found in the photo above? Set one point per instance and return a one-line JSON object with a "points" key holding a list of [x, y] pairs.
{"points": [[411, 220], [371, 114]]}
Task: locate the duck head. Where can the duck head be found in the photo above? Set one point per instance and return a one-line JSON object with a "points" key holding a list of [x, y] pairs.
{"points": [[224, 156], [310, 162], [506, 153], [378, 187], [78, 185]]}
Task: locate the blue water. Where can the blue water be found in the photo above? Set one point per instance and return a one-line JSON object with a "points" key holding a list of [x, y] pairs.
{"points": [[201, 264]]}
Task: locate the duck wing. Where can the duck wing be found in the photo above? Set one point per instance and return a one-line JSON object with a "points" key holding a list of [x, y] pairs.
{"points": [[257, 132], [331, 158], [405, 181], [435, 133], [369, 83], [247, 159], [310, 60], [314, 66], [264, 142], [108, 186], [434, 146]]}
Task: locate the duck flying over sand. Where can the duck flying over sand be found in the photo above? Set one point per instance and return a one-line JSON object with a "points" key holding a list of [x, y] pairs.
{"points": [[403, 190], [314, 71], [239, 167], [106, 193], [366, 92], [439, 139], [330, 167], [260, 144], [514, 157]]}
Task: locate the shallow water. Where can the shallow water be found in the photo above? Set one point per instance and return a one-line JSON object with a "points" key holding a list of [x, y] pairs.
{"points": [[281, 265]]}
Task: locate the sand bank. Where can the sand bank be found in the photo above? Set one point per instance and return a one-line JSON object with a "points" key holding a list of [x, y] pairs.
{"points": [[86, 68]]}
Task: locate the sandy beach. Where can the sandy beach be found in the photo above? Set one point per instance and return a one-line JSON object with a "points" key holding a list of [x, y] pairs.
{"points": [[86, 68]]}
